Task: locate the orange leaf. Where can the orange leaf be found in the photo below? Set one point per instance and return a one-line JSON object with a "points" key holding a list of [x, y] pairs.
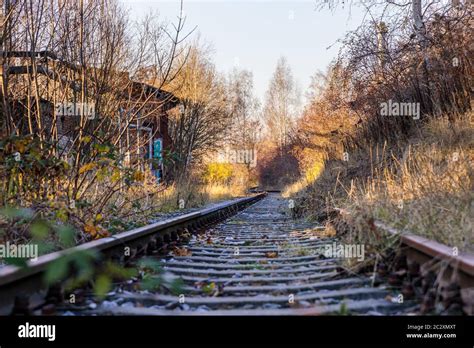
{"points": [[90, 229]]}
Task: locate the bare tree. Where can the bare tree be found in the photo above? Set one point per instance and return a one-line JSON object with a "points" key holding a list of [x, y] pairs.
{"points": [[244, 108], [281, 104], [199, 127], [83, 52]]}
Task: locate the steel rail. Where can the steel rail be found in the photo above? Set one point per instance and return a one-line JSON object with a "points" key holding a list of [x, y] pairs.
{"points": [[433, 257], [462, 260], [28, 281]]}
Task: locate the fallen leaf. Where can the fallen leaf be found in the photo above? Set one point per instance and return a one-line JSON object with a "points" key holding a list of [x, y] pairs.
{"points": [[329, 231], [211, 289], [138, 176], [90, 229], [181, 252]]}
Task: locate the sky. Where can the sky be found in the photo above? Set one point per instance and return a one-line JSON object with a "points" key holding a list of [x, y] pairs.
{"points": [[253, 34]]}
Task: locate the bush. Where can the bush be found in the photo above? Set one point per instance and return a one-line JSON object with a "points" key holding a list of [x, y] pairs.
{"points": [[218, 173]]}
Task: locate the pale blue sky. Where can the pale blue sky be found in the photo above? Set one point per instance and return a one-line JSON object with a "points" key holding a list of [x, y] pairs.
{"points": [[255, 33]]}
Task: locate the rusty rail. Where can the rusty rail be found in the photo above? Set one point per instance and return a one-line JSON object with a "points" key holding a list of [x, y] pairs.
{"points": [[432, 255], [28, 280], [462, 260]]}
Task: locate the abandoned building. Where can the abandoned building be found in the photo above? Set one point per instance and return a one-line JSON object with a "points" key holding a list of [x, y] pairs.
{"points": [[141, 110]]}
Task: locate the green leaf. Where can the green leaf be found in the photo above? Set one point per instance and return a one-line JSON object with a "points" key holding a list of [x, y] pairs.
{"points": [[11, 212], [118, 271], [84, 260], [39, 229], [151, 283], [16, 261], [148, 264], [44, 247], [66, 236], [57, 270], [102, 285], [208, 288], [62, 214], [176, 286]]}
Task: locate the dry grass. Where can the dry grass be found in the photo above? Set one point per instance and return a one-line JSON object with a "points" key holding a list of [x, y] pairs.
{"points": [[222, 192], [127, 208], [188, 194], [424, 185], [429, 191]]}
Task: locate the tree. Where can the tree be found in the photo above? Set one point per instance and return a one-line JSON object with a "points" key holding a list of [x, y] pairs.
{"points": [[200, 126], [80, 52], [281, 104], [244, 107]]}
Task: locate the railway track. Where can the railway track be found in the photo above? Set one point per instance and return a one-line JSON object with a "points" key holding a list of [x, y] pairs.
{"points": [[259, 262], [24, 291], [244, 257]]}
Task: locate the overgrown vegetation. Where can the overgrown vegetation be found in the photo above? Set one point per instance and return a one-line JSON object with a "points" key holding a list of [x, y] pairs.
{"points": [[144, 81], [413, 173]]}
